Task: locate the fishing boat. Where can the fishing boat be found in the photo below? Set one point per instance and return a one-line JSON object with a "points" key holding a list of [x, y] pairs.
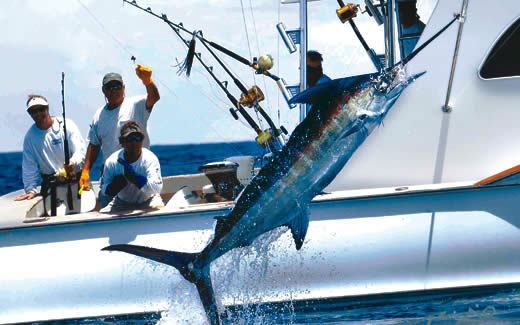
{"points": [[425, 204]]}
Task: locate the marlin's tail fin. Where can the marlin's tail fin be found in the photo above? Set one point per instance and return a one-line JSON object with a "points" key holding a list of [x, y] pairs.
{"points": [[183, 263]]}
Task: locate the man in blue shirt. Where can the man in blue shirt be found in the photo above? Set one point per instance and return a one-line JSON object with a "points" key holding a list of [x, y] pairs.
{"points": [[315, 73]]}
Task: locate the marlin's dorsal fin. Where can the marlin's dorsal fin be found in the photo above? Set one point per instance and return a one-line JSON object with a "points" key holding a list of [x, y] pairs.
{"points": [[298, 226]]}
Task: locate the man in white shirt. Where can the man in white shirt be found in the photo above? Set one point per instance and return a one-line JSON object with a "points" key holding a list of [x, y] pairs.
{"points": [[43, 147], [132, 175], [104, 130]]}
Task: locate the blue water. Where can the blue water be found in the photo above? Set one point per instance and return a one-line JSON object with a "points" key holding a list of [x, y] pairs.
{"points": [[489, 305], [175, 160]]}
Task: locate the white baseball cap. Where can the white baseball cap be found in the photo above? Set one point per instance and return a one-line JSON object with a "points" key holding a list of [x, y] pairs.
{"points": [[37, 101]]}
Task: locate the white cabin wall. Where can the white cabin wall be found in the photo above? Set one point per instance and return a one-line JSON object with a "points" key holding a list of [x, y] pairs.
{"points": [[418, 143]]}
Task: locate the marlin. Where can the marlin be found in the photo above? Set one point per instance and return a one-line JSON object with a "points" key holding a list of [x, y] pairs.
{"points": [[344, 112]]}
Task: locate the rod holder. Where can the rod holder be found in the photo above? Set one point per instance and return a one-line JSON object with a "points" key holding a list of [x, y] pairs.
{"points": [[285, 92], [287, 39]]}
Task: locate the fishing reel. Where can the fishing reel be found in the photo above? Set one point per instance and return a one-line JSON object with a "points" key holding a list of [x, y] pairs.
{"points": [[252, 97], [347, 12], [262, 64]]}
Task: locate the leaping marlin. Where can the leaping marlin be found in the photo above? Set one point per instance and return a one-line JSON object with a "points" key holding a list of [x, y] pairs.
{"points": [[344, 112]]}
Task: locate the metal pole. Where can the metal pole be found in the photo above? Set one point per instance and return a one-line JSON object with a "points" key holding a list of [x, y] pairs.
{"points": [[389, 35], [303, 54], [446, 108]]}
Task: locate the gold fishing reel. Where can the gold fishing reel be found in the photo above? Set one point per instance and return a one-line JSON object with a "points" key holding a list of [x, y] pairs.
{"points": [[252, 97], [347, 12]]}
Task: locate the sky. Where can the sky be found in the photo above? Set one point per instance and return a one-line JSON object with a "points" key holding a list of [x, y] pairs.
{"points": [[87, 38]]}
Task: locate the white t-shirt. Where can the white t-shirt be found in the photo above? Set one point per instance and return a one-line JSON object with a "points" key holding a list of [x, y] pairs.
{"points": [[147, 165], [106, 124], [43, 151]]}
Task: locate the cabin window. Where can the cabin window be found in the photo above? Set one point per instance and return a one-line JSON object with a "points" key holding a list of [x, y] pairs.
{"points": [[503, 59]]}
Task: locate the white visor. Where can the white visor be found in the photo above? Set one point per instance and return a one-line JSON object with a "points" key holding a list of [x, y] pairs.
{"points": [[37, 101]]}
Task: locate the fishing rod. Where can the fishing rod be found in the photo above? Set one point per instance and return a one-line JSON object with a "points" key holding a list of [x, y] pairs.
{"points": [[420, 48], [263, 138], [259, 68], [348, 13], [249, 98], [66, 141]]}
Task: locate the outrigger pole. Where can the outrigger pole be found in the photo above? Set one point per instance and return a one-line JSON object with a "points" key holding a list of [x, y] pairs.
{"points": [[213, 44], [249, 98]]}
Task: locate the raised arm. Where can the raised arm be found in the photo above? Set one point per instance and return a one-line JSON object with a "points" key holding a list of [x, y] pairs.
{"points": [[145, 74]]}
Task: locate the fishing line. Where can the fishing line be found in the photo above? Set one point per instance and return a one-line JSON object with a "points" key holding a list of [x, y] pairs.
{"points": [[104, 29], [249, 98], [258, 51], [247, 36], [120, 44]]}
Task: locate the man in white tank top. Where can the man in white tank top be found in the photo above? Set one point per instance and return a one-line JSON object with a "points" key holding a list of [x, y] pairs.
{"points": [[108, 120]]}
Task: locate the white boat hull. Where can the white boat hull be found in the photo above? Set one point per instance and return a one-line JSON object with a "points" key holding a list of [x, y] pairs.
{"points": [[364, 245]]}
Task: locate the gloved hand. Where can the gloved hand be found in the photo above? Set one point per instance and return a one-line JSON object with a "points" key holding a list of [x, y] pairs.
{"points": [[70, 170], [118, 183], [144, 73], [61, 175], [131, 175], [83, 181]]}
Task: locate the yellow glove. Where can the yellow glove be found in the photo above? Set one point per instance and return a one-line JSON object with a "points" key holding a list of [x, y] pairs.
{"points": [[144, 73], [61, 175], [83, 181]]}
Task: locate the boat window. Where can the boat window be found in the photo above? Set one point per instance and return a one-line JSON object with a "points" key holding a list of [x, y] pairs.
{"points": [[502, 61]]}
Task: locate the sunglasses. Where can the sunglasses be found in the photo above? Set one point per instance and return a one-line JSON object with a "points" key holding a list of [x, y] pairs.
{"points": [[35, 110], [116, 86], [136, 138]]}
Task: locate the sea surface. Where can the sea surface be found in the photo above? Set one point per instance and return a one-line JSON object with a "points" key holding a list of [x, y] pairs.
{"points": [[488, 305]]}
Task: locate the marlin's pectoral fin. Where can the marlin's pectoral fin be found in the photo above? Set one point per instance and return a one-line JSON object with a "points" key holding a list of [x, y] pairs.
{"points": [[299, 226]]}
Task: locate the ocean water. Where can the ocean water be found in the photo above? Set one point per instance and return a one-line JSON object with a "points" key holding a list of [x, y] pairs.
{"points": [[175, 160], [488, 305]]}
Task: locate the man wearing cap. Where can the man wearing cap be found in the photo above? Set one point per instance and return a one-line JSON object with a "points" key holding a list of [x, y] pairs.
{"points": [[43, 147], [104, 129], [132, 175]]}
